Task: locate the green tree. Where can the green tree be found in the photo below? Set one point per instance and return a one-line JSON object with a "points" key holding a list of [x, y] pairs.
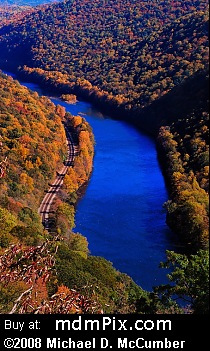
{"points": [[65, 212], [190, 281], [7, 222], [78, 243]]}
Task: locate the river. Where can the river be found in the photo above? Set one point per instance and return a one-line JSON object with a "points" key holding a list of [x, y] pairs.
{"points": [[121, 212]]}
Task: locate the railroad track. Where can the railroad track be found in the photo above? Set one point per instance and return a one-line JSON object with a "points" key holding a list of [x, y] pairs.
{"points": [[44, 208]]}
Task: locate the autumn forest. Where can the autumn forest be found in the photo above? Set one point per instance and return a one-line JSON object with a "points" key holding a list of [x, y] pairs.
{"points": [[144, 62]]}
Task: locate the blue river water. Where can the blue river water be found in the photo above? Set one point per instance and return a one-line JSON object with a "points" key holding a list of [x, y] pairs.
{"points": [[121, 213]]}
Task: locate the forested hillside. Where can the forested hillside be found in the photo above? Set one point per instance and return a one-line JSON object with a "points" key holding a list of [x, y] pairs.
{"points": [[9, 13], [141, 49], [143, 61], [32, 149], [12, 10], [184, 152]]}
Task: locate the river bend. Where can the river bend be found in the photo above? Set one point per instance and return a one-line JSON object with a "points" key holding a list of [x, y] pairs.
{"points": [[121, 213]]}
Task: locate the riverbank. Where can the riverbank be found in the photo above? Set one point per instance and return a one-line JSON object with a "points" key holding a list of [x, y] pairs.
{"points": [[164, 111], [113, 107], [168, 111]]}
